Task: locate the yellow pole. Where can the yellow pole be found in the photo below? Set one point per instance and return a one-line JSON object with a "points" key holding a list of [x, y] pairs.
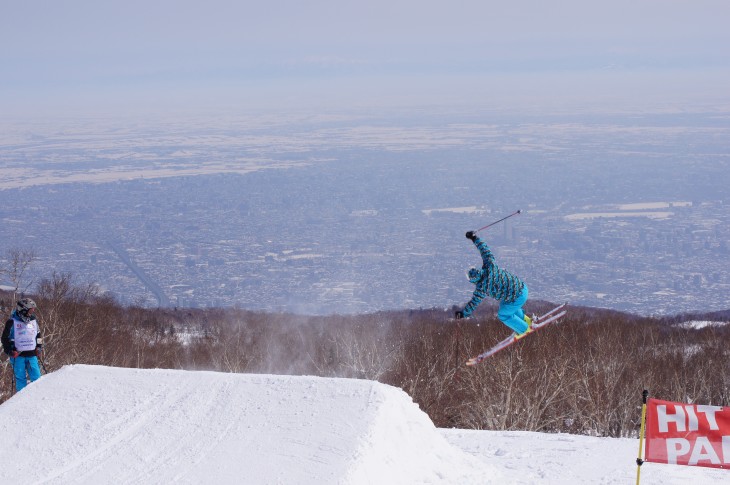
{"points": [[639, 460]]}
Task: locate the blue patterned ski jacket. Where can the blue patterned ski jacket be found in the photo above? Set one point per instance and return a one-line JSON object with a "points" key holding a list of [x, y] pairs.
{"points": [[492, 281]]}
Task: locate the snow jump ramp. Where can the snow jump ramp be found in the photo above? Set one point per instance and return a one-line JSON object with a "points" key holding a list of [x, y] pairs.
{"points": [[92, 424]]}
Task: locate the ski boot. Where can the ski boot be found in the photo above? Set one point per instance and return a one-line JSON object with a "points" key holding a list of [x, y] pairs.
{"points": [[528, 320]]}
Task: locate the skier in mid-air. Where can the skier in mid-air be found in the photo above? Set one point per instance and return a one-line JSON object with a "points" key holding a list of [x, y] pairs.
{"points": [[503, 286]]}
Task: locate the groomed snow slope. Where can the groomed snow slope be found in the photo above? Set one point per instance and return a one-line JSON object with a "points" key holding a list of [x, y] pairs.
{"points": [[87, 424], [102, 425]]}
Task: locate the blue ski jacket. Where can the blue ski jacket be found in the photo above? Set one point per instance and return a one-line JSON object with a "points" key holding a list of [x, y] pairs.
{"points": [[491, 281]]}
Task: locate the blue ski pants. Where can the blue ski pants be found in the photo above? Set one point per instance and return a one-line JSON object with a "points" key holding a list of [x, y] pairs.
{"points": [[23, 365], [512, 315]]}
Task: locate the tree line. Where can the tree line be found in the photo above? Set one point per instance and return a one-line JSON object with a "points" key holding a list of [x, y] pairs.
{"points": [[583, 375]]}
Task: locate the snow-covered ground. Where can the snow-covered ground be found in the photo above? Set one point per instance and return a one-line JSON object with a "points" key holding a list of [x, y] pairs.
{"points": [[700, 324], [89, 424]]}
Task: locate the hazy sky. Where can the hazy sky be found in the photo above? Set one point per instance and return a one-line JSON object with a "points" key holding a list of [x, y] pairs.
{"points": [[109, 55]]}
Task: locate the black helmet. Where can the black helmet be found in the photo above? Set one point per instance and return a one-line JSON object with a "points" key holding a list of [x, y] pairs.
{"points": [[24, 306]]}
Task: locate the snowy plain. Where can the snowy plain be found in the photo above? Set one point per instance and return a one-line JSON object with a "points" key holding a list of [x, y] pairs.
{"points": [[91, 424]]}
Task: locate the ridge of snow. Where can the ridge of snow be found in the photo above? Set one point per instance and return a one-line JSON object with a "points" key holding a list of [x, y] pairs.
{"points": [[403, 446], [700, 324], [101, 425]]}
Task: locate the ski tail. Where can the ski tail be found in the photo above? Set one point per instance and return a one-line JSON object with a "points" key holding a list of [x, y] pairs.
{"points": [[550, 312]]}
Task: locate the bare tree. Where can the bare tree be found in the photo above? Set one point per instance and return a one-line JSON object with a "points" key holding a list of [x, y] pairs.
{"points": [[14, 267]]}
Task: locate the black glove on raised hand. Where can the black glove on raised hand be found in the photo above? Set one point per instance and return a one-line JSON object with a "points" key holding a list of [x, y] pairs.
{"points": [[459, 315], [471, 235]]}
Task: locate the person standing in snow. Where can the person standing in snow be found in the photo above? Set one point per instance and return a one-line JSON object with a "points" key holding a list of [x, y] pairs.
{"points": [[501, 285], [21, 340]]}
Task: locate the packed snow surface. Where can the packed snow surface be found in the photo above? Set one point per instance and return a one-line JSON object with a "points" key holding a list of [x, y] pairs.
{"points": [[89, 424]]}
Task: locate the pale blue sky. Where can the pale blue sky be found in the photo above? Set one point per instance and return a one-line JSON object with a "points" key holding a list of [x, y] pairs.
{"points": [[111, 56]]}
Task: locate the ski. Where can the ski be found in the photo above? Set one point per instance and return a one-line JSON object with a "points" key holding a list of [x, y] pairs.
{"points": [[542, 317], [540, 322]]}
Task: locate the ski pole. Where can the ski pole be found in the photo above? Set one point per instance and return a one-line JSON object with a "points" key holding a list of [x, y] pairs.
{"points": [[12, 375], [43, 364], [519, 211]]}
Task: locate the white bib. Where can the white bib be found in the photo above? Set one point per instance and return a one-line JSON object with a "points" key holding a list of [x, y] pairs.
{"points": [[25, 334]]}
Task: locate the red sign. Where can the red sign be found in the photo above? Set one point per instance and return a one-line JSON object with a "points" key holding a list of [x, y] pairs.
{"points": [[687, 434]]}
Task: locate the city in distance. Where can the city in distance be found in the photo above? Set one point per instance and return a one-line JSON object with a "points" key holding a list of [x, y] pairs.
{"points": [[354, 213]]}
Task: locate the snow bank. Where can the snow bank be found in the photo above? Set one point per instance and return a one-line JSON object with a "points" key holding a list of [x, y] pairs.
{"points": [[700, 324], [88, 424], [101, 425], [528, 458]]}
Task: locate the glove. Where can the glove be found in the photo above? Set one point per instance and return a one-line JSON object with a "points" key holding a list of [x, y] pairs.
{"points": [[459, 315], [471, 235], [38, 351], [14, 354]]}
